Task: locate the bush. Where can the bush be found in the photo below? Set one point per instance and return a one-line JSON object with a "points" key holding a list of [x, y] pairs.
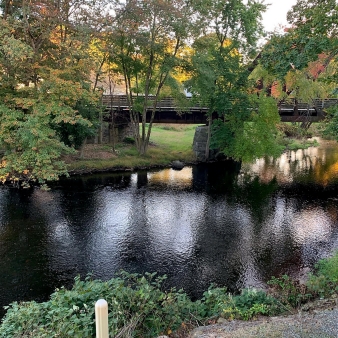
{"points": [[294, 130], [129, 140], [325, 280], [288, 291], [213, 301], [249, 304], [137, 308]]}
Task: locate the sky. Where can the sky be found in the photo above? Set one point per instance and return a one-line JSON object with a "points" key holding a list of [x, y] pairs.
{"points": [[276, 13]]}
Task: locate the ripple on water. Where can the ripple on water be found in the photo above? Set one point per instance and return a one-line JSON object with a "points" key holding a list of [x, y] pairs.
{"points": [[202, 225]]}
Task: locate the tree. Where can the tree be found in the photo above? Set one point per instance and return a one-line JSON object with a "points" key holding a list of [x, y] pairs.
{"points": [[44, 90], [147, 41], [219, 78], [313, 34], [301, 59]]}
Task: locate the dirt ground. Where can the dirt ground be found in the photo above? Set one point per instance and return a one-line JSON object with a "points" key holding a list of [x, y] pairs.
{"points": [[93, 152], [314, 320]]}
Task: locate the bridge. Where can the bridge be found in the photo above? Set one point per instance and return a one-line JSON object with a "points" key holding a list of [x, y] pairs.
{"points": [[167, 110]]}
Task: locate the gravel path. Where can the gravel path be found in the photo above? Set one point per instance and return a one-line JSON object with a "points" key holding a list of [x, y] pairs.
{"points": [[317, 324]]}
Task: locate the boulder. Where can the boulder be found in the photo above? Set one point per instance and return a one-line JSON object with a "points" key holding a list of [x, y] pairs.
{"points": [[177, 165]]}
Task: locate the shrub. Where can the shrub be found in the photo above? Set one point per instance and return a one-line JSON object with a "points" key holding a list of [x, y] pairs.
{"points": [[213, 301], [137, 308], [294, 130], [246, 305], [129, 140], [253, 302], [288, 291], [325, 280]]}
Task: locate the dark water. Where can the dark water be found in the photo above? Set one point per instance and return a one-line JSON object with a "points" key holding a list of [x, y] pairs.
{"points": [[204, 224]]}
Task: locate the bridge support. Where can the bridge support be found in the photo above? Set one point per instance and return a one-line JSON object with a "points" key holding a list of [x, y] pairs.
{"points": [[111, 134], [200, 143]]}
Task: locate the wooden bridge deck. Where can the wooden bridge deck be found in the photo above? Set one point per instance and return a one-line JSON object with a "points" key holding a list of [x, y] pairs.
{"points": [[168, 112]]}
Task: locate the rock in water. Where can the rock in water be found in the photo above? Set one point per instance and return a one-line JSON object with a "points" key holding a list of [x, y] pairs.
{"points": [[177, 165]]}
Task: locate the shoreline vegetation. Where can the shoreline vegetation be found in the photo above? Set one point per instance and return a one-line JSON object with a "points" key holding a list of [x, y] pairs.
{"points": [[139, 306], [168, 143]]}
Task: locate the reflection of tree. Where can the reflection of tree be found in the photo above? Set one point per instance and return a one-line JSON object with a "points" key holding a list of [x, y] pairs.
{"points": [[256, 196], [142, 179], [24, 276], [319, 165], [134, 244], [215, 177]]}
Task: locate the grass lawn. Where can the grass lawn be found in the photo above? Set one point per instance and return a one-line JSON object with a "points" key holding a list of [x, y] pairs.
{"points": [[168, 142], [173, 137]]}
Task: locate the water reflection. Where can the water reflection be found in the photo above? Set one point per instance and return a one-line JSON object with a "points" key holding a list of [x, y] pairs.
{"points": [[209, 223], [316, 164]]}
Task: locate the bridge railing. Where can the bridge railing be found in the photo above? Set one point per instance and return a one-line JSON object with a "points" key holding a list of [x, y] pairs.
{"points": [[167, 111], [121, 102]]}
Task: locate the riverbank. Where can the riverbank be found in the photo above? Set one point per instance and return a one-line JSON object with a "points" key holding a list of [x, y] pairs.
{"points": [[169, 142], [101, 158], [140, 308]]}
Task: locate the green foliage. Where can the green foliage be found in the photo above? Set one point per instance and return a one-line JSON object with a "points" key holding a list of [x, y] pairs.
{"points": [[325, 281], [29, 122], [253, 137], [252, 302], [295, 137], [300, 62], [248, 304], [295, 144], [73, 135], [246, 125], [294, 130], [213, 301], [47, 106], [313, 31], [288, 291], [329, 268], [233, 20], [147, 53], [138, 307], [32, 150], [331, 127], [129, 140]]}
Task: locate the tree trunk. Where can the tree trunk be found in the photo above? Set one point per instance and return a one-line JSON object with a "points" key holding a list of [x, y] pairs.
{"points": [[82, 148], [100, 135]]}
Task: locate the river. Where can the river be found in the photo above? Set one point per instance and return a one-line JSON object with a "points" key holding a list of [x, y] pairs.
{"points": [[219, 223]]}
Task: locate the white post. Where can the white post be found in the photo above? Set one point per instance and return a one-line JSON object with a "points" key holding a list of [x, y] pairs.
{"points": [[101, 319]]}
